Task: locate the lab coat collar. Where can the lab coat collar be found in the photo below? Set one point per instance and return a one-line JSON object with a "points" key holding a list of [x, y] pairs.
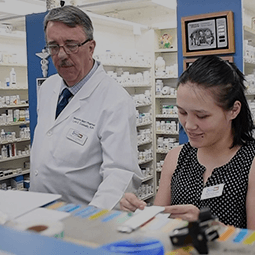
{"points": [[85, 92]]}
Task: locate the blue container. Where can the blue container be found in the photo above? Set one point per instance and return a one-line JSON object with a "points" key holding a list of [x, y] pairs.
{"points": [[147, 246]]}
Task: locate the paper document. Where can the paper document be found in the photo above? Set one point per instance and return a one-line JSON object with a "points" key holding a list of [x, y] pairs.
{"points": [[15, 203], [42, 214], [139, 218]]}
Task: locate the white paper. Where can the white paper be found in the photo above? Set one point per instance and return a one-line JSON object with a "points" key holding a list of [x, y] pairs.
{"points": [[15, 203], [42, 214], [160, 220], [140, 217]]}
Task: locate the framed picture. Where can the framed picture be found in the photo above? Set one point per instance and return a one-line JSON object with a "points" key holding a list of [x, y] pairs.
{"points": [[188, 61], [207, 34]]}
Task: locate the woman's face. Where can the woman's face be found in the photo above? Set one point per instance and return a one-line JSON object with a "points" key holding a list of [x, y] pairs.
{"points": [[205, 123]]}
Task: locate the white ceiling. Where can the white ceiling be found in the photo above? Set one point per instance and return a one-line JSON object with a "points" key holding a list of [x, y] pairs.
{"points": [[97, 6], [104, 7], [114, 8]]}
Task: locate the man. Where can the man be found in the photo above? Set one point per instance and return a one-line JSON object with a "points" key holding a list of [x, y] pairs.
{"points": [[88, 151]]}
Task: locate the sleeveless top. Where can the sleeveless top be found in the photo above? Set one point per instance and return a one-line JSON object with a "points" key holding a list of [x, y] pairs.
{"points": [[187, 184]]}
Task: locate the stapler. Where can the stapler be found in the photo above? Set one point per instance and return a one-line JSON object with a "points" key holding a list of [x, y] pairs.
{"points": [[197, 233]]}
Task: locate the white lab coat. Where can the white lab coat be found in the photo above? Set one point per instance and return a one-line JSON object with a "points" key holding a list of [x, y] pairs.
{"points": [[89, 153]]}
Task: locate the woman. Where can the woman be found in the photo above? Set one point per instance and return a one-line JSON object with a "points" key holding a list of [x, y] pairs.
{"points": [[216, 167]]}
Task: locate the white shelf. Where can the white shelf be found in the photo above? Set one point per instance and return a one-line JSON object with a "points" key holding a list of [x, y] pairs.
{"points": [[249, 64], [171, 50], [136, 85], [18, 140], [144, 124], [165, 77], [14, 106], [165, 96], [14, 158], [174, 116], [145, 161], [162, 151], [166, 133], [142, 105], [12, 65], [18, 123], [147, 197], [143, 143], [147, 178], [249, 33], [26, 171], [250, 95], [13, 89], [20, 35], [126, 65]]}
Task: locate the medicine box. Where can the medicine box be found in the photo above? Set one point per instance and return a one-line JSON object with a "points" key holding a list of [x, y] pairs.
{"points": [[17, 182]]}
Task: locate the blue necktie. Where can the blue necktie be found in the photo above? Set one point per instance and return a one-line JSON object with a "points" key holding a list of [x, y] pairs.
{"points": [[64, 101]]}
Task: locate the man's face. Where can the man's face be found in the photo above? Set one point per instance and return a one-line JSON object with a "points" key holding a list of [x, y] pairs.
{"points": [[75, 66]]}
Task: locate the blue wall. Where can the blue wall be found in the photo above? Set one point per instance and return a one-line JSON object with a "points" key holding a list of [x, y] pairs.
{"points": [[187, 8], [35, 44], [194, 7]]}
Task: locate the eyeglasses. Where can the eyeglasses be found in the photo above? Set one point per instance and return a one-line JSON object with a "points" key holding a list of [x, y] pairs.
{"points": [[70, 48]]}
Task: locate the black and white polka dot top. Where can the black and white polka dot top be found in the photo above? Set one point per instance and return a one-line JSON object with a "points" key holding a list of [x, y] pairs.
{"points": [[187, 184]]}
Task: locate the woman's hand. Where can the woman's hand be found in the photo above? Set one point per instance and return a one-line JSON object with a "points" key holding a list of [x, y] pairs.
{"points": [[130, 202], [184, 212]]}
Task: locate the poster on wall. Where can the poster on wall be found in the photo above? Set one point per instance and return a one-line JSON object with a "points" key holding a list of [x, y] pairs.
{"points": [[206, 34]]}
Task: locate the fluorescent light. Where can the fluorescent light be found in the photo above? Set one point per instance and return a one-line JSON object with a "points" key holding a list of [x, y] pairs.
{"points": [[20, 7], [171, 4]]}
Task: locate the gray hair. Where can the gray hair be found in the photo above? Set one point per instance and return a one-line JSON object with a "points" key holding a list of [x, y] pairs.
{"points": [[72, 17]]}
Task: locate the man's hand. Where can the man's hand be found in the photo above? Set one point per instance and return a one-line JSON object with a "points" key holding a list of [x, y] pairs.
{"points": [[130, 202]]}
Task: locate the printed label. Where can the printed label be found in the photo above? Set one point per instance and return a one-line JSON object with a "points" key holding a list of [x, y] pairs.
{"points": [[213, 191], [76, 136]]}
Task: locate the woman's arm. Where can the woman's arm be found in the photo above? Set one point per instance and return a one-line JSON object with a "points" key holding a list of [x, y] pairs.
{"points": [[130, 202], [250, 199], [163, 197]]}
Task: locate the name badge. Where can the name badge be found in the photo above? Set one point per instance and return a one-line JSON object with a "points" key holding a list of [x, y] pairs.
{"points": [[76, 136], [213, 191]]}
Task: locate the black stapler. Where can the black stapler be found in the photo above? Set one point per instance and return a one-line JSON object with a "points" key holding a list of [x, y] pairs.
{"points": [[197, 233]]}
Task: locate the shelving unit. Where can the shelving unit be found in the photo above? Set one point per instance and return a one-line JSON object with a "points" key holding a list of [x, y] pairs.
{"points": [[13, 99], [169, 79], [14, 158], [141, 91], [12, 175], [249, 61], [249, 66]]}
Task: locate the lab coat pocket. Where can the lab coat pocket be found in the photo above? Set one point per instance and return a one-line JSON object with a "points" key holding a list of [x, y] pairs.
{"points": [[70, 148], [76, 136]]}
